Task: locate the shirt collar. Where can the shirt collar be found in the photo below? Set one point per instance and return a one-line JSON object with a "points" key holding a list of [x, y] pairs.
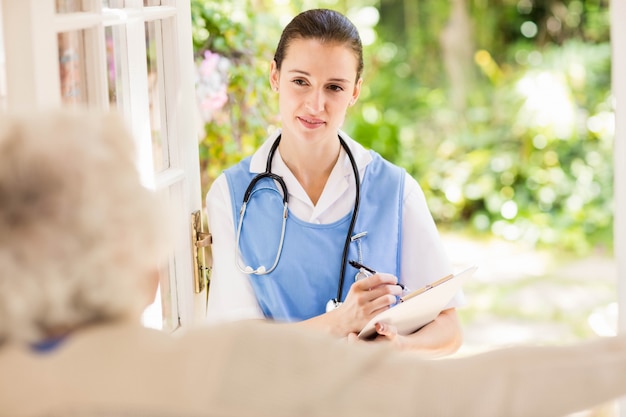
{"points": [[47, 345], [362, 156], [259, 159]]}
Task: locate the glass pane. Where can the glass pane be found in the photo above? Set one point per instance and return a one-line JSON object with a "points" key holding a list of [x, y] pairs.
{"points": [[113, 4], [158, 315], [151, 2], [160, 151], [163, 312], [72, 67], [169, 317], [115, 38], [68, 6]]}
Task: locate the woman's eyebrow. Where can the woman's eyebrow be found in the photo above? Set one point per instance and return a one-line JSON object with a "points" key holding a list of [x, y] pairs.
{"points": [[332, 80]]}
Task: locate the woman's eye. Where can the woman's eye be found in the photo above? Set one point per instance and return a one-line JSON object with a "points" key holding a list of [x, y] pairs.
{"points": [[335, 88], [299, 82]]}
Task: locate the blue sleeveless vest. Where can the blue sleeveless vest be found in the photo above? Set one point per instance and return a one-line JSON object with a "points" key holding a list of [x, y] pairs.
{"points": [[308, 272]]}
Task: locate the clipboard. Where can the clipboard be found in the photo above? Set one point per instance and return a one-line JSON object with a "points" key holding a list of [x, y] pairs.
{"points": [[421, 306]]}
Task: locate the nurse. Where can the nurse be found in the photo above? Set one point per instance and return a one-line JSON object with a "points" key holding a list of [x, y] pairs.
{"points": [[287, 220]]}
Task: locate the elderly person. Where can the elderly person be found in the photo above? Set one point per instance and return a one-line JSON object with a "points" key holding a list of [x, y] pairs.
{"points": [[80, 241]]}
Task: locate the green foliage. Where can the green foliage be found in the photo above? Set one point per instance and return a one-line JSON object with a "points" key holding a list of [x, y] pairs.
{"points": [[529, 156], [521, 148], [542, 169], [239, 126]]}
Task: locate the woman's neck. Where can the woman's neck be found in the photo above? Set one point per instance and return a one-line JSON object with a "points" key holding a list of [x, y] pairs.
{"points": [[311, 165]]}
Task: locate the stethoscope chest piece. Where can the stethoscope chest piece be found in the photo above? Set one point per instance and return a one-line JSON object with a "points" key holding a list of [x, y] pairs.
{"points": [[332, 304]]}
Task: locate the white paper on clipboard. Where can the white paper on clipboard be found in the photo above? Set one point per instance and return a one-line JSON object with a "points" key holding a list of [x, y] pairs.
{"points": [[421, 307]]}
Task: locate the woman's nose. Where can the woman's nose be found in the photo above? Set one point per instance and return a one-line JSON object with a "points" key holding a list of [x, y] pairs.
{"points": [[315, 101]]}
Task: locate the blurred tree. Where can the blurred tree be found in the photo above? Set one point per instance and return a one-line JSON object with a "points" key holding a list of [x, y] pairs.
{"points": [[458, 48], [464, 96]]}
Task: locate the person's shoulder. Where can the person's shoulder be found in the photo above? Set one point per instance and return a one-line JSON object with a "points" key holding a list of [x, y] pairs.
{"points": [[355, 146], [257, 160], [218, 182], [225, 330], [384, 165], [362, 156], [224, 335]]}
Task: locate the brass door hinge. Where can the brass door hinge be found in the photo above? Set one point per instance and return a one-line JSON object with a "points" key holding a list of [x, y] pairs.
{"points": [[201, 262]]}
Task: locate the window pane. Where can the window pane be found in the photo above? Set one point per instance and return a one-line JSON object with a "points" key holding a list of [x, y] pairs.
{"points": [[68, 6], [151, 2], [158, 315], [72, 67], [113, 4], [166, 301], [154, 44], [163, 313], [115, 40]]}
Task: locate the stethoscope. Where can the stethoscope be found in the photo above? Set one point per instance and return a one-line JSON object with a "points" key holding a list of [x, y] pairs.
{"points": [[262, 270]]}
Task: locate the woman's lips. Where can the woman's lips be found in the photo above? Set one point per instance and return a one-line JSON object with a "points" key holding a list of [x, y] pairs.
{"points": [[311, 123]]}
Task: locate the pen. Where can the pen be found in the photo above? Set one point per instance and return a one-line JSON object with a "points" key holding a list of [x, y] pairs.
{"points": [[362, 267], [368, 271]]}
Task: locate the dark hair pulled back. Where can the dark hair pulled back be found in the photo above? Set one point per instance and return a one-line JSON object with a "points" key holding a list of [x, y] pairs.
{"points": [[327, 26]]}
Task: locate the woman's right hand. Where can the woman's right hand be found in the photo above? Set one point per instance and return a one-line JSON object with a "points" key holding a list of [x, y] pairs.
{"points": [[366, 298]]}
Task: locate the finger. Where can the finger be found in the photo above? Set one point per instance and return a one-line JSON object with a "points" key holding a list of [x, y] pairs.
{"points": [[376, 280], [353, 337], [387, 330], [387, 293], [381, 303]]}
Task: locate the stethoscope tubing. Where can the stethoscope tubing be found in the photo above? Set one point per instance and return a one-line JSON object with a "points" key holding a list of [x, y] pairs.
{"points": [[355, 213], [261, 270]]}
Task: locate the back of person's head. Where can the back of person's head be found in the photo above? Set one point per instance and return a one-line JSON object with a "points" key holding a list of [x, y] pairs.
{"points": [[78, 232], [324, 25]]}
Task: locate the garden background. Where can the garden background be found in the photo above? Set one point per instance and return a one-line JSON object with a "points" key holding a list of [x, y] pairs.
{"points": [[501, 109]]}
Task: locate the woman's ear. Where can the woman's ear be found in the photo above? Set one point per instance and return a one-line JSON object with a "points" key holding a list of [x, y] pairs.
{"points": [[274, 76], [356, 92]]}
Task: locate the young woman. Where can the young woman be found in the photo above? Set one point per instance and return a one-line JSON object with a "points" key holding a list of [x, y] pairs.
{"points": [[316, 199]]}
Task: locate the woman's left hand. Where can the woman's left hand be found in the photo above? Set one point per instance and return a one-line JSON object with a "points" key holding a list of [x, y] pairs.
{"points": [[438, 338], [386, 334]]}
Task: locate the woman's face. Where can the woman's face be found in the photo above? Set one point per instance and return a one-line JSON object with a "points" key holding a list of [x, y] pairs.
{"points": [[316, 84]]}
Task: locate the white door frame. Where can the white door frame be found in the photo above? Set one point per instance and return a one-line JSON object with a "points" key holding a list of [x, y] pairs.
{"points": [[30, 29]]}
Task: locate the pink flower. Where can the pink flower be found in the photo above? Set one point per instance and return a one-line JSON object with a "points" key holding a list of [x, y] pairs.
{"points": [[211, 84]]}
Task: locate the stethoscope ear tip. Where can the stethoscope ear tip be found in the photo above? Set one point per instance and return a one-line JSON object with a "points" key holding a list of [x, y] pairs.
{"points": [[248, 269], [261, 270]]}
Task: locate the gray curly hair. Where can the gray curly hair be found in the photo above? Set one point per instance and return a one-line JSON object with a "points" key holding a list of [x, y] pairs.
{"points": [[78, 231]]}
